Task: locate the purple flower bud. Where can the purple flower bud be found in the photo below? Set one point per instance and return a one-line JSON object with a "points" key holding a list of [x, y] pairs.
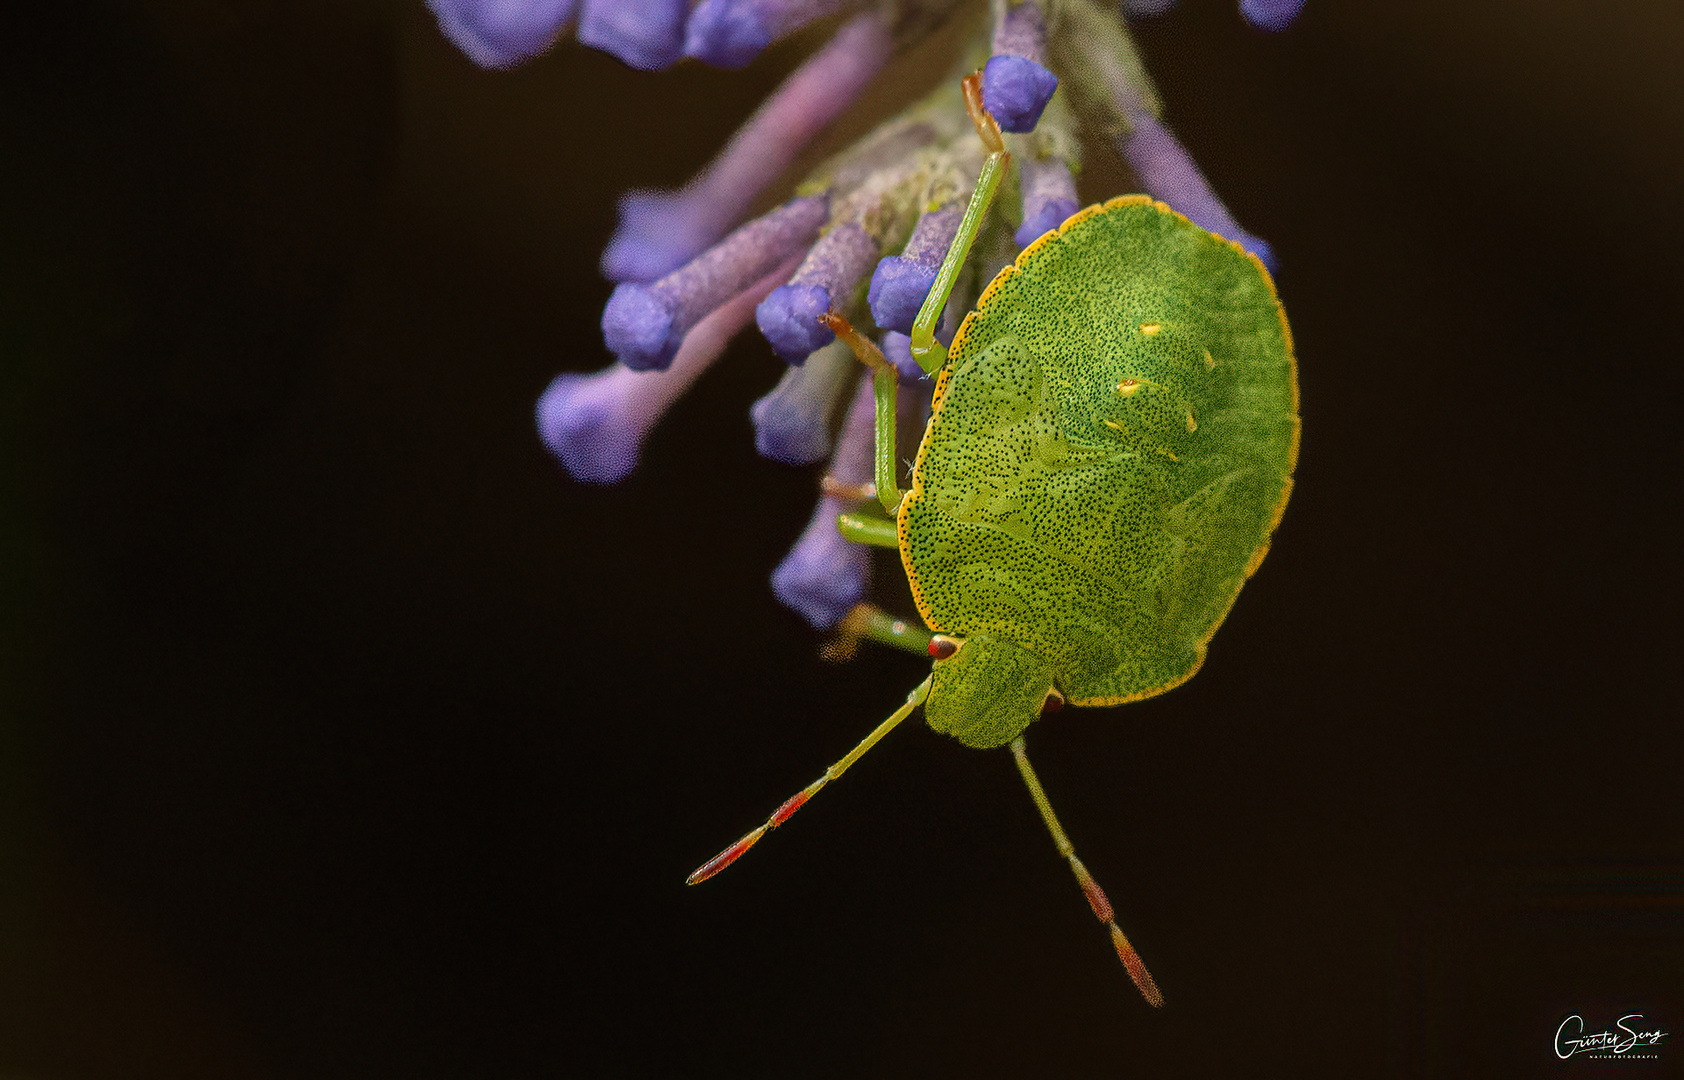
{"points": [[1049, 196], [1015, 90], [643, 325], [789, 317], [660, 231], [1135, 9], [645, 34], [790, 320], [595, 424], [1016, 84], [731, 33], [1271, 15], [794, 423], [502, 33], [901, 282], [823, 576], [1168, 173]]}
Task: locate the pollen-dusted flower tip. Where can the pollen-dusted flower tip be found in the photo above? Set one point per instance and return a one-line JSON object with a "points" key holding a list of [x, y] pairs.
{"points": [[789, 317], [502, 33], [1168, 173], [644, 34], [643, 325], [901, 282], [1016, 84], [793, 424], [661, 231], [595, 424], [1271, 15], [731, 33], [1049, 197]]}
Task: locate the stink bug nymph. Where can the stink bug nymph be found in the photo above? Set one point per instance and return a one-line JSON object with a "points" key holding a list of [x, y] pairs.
{"points": [[1111, 444]]}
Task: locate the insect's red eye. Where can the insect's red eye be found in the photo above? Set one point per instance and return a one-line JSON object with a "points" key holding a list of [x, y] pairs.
{"points": [[942, 647], [1054, 702]]}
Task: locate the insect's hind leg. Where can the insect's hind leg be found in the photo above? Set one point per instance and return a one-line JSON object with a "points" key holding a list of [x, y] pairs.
{"points": [[1097, 899]]}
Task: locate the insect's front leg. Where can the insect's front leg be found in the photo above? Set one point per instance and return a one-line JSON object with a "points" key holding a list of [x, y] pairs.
{"points": [[926, 350]]}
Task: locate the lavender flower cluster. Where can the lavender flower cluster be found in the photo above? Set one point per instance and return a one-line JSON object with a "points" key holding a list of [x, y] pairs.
{"points": [[864, 235]]}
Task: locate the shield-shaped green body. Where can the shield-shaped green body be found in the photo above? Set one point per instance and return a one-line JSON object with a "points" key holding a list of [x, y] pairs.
{"points": [[1111, 446]]}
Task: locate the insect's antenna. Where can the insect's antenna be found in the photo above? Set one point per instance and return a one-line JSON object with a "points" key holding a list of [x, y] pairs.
{"points": [[1096, 896], [794, 802]]}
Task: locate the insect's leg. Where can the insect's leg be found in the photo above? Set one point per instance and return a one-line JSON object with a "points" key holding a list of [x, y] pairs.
{"points": [[868, 529], [1096, 896], [794, 802], [925, 350], [884, 381], [869, 622]]}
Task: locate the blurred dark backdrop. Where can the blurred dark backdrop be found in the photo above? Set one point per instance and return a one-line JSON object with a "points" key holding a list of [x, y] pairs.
{"points": [[344, 736]]}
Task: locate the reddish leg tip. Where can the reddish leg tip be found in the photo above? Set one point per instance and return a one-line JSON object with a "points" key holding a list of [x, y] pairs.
{"points": [[724, 858], [1136, 968], [790, 806], [1097, 899]]}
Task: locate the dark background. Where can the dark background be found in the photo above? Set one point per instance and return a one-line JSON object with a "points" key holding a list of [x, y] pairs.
{"points": [[344, 736]]}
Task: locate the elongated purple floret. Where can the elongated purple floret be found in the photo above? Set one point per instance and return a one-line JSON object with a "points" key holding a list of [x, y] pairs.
{"points": [[502, 33], [901, 282], [645, 34], [789, 317], [793, 423], [823, 576], [1016, 84], [661, 231], [595, 424], [643, 325], [1049, 196], [731, 33], [1271, 15], [1167, 172]]}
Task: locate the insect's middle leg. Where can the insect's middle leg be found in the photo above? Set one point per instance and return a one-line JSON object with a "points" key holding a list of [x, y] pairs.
{"points": [[884, 382], [1090, 888], [867, 622]]}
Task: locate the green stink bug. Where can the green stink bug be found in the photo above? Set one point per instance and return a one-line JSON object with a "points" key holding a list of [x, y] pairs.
{"points": [[1111, 445]]}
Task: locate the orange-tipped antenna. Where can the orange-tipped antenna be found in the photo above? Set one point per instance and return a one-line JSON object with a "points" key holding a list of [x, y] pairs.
{"points": [[1097, 899], [794, 802]]}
